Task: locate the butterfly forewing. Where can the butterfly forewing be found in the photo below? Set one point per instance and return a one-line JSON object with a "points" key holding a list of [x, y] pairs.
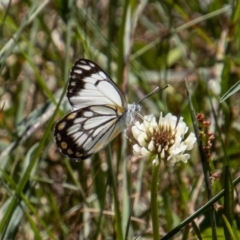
{"points": [[99, 112], [90, 85]]}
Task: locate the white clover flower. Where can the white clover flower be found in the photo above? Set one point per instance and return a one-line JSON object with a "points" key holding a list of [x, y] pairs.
{"points": [[164, 139]]}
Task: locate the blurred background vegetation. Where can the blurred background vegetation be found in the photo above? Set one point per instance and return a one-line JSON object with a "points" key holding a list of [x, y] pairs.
{"points": [[140, 44]]}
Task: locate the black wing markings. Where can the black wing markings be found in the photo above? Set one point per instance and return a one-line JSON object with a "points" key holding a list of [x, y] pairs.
{"points": [[69, 140]]}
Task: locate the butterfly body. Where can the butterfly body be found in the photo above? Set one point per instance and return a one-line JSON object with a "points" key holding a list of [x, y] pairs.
{"points": [[100, 112]]}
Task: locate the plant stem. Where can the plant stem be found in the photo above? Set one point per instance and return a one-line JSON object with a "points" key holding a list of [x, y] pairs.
{"points": [[154, 196]]}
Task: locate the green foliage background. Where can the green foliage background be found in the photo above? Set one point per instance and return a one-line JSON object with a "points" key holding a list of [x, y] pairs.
{"points": [[141, 45]]}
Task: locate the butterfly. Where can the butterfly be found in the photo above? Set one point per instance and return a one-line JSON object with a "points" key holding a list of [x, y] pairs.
{"points": [[99, 112]]}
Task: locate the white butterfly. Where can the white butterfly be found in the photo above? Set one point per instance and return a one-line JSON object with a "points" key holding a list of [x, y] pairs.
{"points": [[100, 112]]}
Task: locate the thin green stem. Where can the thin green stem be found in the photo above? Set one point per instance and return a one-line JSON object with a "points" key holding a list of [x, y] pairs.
{"points": [[154, 195]]}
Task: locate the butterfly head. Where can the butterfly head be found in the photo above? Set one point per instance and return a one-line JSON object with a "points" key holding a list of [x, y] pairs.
{"points": [[133, 111]]}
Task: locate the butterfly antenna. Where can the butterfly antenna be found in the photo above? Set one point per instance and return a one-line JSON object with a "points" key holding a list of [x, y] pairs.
{"points": [[157, 89]]}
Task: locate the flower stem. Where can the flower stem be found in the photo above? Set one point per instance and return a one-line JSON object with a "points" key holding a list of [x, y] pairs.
{"points": [[154, 196]]}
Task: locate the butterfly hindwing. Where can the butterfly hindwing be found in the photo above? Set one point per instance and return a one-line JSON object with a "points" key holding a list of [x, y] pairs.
{"points": [[85, 131]]}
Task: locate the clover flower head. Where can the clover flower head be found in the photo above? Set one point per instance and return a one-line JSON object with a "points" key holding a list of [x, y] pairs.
{"points": [[164, 138]]}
